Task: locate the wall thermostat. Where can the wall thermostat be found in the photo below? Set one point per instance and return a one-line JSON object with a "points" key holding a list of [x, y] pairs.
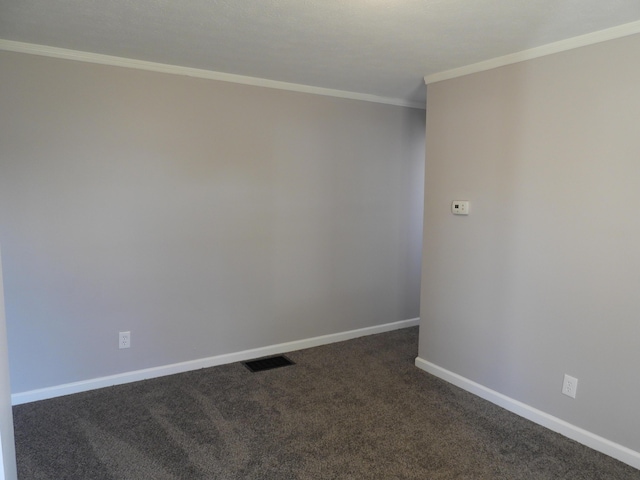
{"points": [[460, 207]]}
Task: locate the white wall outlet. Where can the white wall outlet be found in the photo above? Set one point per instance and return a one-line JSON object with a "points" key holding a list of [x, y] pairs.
{"points": [[124, 339], [570, 386], [460, 207]]}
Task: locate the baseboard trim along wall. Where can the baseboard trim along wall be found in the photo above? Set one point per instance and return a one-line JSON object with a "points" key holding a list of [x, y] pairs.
{"points": [[617, 451], [128, 377]]}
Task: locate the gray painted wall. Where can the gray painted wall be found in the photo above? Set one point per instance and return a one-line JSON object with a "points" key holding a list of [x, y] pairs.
{"points": [[8, 468], [205, 217], [542, 278]]}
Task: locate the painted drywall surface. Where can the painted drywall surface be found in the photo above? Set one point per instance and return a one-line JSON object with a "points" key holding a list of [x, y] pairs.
{"points": [[542, 278], [8, 469], [204, 217]]}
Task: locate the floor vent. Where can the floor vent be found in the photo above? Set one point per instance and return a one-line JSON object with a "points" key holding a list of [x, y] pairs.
{"points": [[268, 363]]}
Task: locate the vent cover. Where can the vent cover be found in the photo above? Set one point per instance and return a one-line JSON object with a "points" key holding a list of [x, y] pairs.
{"points": [[268, 363]]}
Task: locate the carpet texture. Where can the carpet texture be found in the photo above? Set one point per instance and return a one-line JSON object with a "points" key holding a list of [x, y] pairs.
{"points": [[352, 410]]}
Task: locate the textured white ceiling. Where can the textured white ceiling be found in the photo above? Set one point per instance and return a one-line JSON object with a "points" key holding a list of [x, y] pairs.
{"points": [[378, 47]]}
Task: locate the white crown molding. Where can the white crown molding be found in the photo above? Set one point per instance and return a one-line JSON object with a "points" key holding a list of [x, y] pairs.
{"points": [[591, 440], [63, 53], [549, 49], [128, 377]]}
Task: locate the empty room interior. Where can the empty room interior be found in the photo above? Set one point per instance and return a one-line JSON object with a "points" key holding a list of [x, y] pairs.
{"points": [[427, 207]]}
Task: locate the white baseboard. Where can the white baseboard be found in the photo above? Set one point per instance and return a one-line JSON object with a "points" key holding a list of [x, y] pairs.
{"points": [[128, 377], [615, 450]]}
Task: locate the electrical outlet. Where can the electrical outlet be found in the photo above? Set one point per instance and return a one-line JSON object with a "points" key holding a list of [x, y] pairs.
{"points": [[124, 339], [570, 386]]}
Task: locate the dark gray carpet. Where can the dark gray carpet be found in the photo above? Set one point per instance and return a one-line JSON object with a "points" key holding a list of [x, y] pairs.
{"points": [[352, 410]]}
